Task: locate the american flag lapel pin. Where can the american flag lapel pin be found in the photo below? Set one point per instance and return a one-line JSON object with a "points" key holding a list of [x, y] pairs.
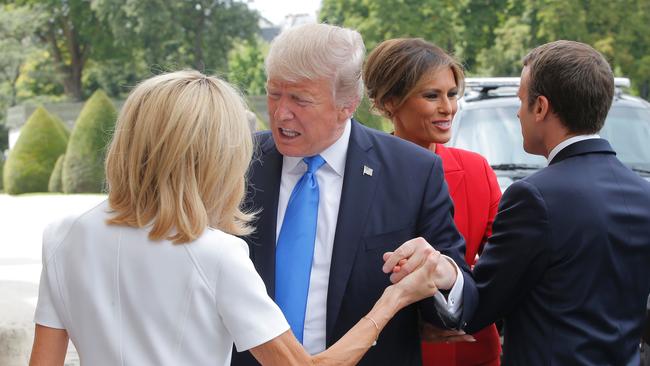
{"points": [[367, 171]]}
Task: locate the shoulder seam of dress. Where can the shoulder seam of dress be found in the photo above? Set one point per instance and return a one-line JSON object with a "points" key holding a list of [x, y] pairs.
{"points": [[199, 269], [56, 246]]}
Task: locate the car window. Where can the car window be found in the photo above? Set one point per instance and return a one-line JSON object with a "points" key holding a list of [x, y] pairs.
{"points": [[628, 130], [495, 133]]}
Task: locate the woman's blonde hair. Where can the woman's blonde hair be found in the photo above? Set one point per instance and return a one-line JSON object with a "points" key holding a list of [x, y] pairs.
{"points": [[179, 157]]}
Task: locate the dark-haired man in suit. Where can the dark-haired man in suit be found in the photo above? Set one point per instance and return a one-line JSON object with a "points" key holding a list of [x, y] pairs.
{"points": [[566, 266]]}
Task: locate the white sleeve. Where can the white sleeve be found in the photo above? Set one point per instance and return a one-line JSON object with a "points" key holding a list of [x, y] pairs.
{"points": [[453, 305], [46, 313], [249, 314]]}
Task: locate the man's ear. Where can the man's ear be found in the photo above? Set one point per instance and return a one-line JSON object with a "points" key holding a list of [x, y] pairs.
{"points": [[542, 108], [347, 110]]}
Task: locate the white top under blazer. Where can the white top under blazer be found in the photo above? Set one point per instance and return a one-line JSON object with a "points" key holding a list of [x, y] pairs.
{"points": [[127, 300]]}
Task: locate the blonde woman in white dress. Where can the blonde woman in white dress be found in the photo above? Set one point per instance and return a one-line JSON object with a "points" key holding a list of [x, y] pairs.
{"points": [[155, 275]]}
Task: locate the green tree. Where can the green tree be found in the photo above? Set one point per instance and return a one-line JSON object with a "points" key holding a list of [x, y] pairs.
{"points": [[246, 66], [478, 21], [434, 20], [31, 161], [83, 166], [176, 34], [504, 57], [74, 34], [16, 28]]}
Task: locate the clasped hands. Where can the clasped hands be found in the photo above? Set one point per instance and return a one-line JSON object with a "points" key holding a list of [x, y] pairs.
{"points": [[417, 255]]}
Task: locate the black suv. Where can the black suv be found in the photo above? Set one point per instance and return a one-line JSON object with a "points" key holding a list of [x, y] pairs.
{"points": [[487, 123]]}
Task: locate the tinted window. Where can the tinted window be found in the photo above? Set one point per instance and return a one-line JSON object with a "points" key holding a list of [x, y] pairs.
{"points": [[628, 130], [495, 133]]}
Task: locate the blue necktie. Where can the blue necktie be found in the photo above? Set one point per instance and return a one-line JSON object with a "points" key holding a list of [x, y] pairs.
{"points": [[295, 249]]}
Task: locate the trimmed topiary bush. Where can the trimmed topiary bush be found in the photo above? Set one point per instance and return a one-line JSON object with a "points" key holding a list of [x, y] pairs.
{"points": [[83, 166], [56, 180], [32, 159], [63, 129]]}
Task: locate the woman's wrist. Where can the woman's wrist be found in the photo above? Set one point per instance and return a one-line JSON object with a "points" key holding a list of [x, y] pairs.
{"points": [[390, 302]]}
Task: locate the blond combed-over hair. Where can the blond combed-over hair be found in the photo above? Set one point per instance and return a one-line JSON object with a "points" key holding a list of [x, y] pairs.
{"points": [[320, 51], [179, 157]]}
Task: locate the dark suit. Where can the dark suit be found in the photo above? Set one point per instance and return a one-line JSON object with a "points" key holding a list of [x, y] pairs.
{"points": [[405, 197], [568, 262]]}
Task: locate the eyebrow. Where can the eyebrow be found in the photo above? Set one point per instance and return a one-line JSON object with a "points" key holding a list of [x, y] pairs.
{"points": [[439, 90]]}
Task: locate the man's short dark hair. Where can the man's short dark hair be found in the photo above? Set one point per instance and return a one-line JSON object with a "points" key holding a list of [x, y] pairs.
{"points": [[577, 81]]}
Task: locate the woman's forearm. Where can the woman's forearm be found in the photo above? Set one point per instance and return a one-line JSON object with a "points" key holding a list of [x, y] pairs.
{"points": [[285, 349], [355, 343], [50, 346]]}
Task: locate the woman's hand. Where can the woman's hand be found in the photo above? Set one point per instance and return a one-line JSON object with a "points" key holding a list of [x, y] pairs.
{"points": [[420, 282], [411, 255]]}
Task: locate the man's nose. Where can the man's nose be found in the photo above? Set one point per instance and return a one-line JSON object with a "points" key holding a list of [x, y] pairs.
{"points": [[282, 111]]}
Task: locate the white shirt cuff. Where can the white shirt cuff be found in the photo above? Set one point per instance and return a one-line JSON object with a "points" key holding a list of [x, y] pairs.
{"points": [[453, 304]]}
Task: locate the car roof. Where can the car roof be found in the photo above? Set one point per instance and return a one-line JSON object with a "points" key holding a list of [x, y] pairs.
{"points": [[467, 102]]}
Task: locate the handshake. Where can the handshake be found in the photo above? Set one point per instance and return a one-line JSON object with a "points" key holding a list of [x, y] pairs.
{"points": [[417, 269]]}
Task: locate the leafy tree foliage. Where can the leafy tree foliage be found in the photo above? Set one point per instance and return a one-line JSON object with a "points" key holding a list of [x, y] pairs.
{"points": [[491, 36], [73, 34], [16, 27], [504, 57], [377, 20], [83, 166], [31, 161], [246, 66], [176, 34]]}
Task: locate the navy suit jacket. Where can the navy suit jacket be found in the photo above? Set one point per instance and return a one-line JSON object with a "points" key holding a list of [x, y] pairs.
{"points": [[568, 262], [405, 197]]}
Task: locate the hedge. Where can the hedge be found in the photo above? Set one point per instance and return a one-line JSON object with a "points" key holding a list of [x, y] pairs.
{"points": [[55, 184], [2, 164], [32, 159], [83, 165]]}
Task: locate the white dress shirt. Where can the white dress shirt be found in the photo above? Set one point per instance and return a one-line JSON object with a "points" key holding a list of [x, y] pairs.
{"points": [[567, 142], [330, 184]]}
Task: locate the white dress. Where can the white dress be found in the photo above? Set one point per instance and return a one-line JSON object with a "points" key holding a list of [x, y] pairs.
{"points": [[127, 300]]}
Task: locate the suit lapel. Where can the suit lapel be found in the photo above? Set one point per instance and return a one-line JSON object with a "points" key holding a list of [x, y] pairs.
{"points": [[266, 194], [356, 198]]}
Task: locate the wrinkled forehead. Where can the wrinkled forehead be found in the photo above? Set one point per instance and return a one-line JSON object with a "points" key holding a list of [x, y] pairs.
{"points": [[320, 86]]}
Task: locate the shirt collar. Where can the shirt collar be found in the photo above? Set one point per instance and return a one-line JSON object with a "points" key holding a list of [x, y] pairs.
{"points": [[334, 155], [567, 142]]}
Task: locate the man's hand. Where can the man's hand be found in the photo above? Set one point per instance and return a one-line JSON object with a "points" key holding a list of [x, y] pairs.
{"points": [[411, 255], [429, 333]]}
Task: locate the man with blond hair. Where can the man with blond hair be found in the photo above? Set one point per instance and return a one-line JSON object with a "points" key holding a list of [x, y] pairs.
{"points": [[335, 196]]}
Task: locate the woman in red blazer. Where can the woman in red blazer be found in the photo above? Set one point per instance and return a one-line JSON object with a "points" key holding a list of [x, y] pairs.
{"points": [[416, 85]]}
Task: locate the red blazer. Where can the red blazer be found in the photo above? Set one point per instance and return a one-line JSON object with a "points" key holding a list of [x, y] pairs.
{"points": [[475, 192]]}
